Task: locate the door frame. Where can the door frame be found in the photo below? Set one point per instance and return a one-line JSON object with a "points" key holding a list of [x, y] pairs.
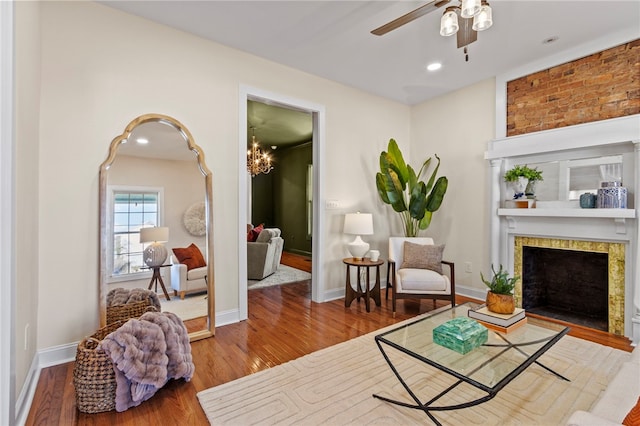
{"points": [[317, 111]]}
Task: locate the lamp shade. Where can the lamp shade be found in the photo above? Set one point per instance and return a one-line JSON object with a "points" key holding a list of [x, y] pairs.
{"points": [[470, 8], [157, 234], [483, 20], [449, 22], [358, 224]]}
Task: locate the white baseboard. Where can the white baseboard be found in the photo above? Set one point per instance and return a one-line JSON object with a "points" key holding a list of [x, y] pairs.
{"points": [[43, 359], [474, 293]]}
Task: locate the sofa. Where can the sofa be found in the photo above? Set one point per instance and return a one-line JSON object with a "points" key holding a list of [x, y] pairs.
{"points": [[188, 270], [617, 400], [264, 254]]}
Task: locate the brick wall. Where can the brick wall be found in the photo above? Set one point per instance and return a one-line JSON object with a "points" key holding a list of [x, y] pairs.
{"points": [[597, 87]]}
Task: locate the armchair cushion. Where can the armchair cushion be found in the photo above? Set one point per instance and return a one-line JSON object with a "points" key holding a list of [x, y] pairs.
{"points": [[422, 256], [267, 234], [190, 256], [422, 280]]}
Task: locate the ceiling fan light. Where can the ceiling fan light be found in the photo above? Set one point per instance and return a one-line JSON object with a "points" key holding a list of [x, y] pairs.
{"points": [[449, 22], [483, 20], [470, 8]]}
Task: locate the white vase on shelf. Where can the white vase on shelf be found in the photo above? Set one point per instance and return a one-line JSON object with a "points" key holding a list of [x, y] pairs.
{"points": [[518, 187]]}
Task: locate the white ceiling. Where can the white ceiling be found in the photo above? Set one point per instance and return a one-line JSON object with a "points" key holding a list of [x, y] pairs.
{"points": [[332, 39]]}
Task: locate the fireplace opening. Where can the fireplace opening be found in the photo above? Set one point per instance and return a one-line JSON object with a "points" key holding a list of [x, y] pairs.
{"points": [[568, 285]]}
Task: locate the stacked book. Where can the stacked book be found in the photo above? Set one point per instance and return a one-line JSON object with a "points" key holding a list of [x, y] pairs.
{"points": [[499, 322]]}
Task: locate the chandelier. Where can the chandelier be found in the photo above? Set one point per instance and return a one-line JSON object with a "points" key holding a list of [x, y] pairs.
{"points": [[479, 10], [257, 161]]}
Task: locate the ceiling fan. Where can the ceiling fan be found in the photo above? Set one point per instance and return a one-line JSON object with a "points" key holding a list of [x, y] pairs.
{"points": [[464, 20]]}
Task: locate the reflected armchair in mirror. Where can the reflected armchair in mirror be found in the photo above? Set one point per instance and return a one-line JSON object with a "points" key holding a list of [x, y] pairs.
{"points": [[188, 270]]}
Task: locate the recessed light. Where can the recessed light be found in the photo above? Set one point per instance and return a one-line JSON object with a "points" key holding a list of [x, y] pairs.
{"points": [[550, 40], [434, 66], [142, 140]]}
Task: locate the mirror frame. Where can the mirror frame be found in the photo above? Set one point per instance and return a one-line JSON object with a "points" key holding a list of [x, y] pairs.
{"points": [[104, 169]]}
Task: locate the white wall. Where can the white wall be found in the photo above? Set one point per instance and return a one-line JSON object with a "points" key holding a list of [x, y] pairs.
{"points": [[100, 69], [457, 127]]}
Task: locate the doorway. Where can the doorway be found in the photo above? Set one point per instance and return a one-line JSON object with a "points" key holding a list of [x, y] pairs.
{"points": [[317, 113]]}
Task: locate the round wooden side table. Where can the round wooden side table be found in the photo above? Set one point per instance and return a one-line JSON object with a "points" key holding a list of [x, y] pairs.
{"points": [[359, 292]]}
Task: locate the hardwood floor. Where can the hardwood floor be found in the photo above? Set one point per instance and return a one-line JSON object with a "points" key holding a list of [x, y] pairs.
{"points": [[283, 324]]}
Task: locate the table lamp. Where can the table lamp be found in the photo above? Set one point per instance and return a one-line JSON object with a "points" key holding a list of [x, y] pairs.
{"points": [[155, 254], [358, 224]]}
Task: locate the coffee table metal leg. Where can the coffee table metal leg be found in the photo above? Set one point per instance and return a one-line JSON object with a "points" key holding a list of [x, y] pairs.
{"points": [[427, 407]]}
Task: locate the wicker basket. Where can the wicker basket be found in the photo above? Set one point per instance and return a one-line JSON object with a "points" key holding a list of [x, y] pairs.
{"points": [[127, 311], [93, 374]]}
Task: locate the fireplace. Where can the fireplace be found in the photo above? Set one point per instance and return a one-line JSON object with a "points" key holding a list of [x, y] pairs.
{"points": [[581, 282], [558, 223], [569, 285]]}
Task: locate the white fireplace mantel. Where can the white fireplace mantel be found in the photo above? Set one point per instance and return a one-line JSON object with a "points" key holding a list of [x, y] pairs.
{"points": [[594, 139]]}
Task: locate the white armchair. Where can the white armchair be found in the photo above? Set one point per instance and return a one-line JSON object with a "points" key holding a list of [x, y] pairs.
{"points": [[185, 280], [421, 277]]}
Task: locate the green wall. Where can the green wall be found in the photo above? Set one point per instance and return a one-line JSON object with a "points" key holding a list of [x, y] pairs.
{"points": [[279, 198]]}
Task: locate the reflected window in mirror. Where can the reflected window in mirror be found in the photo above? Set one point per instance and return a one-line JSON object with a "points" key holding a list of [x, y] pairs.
{"points": [[131, 208]]}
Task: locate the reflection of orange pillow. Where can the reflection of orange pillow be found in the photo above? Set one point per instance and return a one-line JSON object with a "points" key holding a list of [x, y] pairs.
{"points": [[190, 256]]}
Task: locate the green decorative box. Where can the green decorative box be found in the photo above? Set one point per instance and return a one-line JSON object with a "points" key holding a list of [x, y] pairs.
{"points": [[461, 334]]}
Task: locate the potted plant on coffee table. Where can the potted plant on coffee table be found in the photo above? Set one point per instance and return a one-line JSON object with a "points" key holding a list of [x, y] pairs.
{"points": [[500, 297]]}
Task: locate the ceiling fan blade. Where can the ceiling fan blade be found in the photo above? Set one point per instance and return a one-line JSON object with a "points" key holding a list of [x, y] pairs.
{"points": [[466, 34], [405, 19]]}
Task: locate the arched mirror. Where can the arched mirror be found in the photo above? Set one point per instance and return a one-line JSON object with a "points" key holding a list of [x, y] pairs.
{"points": [[155, 195]]}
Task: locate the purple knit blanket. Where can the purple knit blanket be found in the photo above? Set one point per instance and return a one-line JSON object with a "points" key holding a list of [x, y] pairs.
{"points": [[146, 353]]}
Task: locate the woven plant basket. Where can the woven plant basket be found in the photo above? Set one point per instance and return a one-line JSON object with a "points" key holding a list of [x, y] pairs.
{"points": [[93, 374], [129, 310]]}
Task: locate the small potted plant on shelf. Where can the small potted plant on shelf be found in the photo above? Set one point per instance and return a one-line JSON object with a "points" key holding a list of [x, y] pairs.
{"points": [[500, 297], [523, 180]]}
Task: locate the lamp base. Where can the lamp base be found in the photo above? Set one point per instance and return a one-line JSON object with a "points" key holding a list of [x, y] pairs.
{"points": [[358, 248], [154, 255]]}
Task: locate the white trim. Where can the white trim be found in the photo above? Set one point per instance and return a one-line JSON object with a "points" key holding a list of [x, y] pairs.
{"points": [[580, 51], [7, 216], [25, 399], [613, 131], [318, 111]]}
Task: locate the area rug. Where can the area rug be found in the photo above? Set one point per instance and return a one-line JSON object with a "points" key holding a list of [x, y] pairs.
{"points": [[334, 386], [193, 306], [283, 275]]}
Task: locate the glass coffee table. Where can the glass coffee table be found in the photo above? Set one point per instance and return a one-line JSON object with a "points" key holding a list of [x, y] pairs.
{"points": [[489, 367]]}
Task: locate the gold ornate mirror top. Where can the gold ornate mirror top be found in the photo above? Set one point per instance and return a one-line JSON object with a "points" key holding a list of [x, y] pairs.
{"points": [[158, 164]]}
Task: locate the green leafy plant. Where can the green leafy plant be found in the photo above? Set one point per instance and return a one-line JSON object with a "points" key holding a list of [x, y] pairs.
{"points": [[500, 282], [533, 174], [400, 186]]}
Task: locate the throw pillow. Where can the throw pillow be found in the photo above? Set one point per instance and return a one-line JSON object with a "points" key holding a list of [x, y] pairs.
{"points": [[190, 256], [422, 256], [255, 232], [633, 416]]}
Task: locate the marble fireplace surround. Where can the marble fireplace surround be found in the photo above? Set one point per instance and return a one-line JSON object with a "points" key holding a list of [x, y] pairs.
{"points": [[562, 221]]}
